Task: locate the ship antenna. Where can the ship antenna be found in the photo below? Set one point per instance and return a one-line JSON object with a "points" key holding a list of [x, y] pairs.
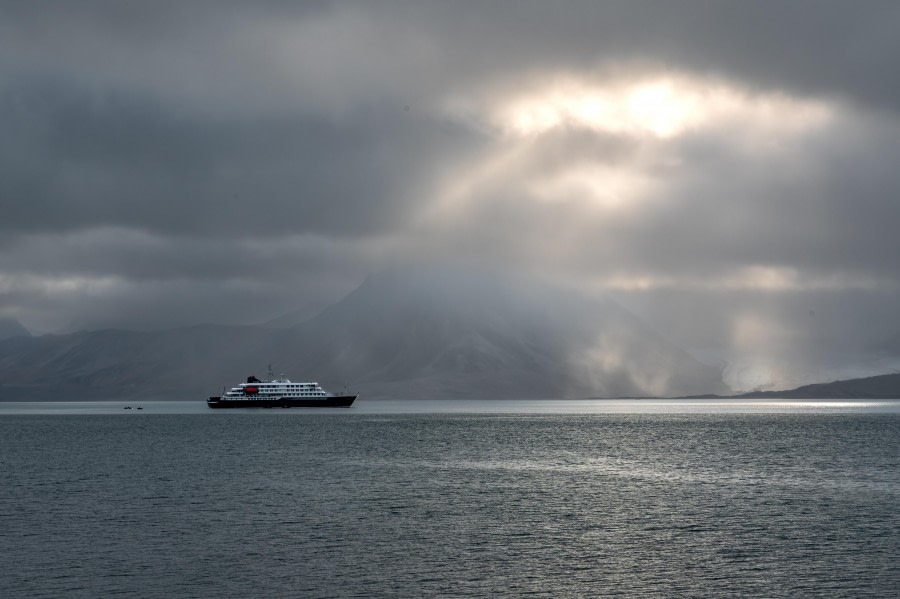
{"points": [[271, 374]]}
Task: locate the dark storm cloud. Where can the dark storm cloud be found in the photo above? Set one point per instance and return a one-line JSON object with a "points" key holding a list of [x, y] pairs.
{"points": [[811, 46], [828, 205], [142, 257], [159, 158], [77, 160]]}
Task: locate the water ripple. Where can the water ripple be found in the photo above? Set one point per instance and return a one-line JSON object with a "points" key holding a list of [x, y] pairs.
{"points": [[630, 505]]}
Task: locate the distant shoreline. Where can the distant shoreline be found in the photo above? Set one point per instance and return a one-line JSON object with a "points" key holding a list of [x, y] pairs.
{"points": [[884, 386]]}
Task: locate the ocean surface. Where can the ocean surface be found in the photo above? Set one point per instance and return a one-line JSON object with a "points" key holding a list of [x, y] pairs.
{"points": [[624, 498]]}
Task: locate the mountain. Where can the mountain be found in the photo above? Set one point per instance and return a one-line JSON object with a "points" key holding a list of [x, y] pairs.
{"points": [[294, 317], [459, 334], [180, 363], [402, 334], [10, 327], [885, 386]]}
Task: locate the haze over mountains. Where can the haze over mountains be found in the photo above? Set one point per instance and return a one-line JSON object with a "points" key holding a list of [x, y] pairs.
{"points": [[10, 327], [402, 334], [725, 171]]}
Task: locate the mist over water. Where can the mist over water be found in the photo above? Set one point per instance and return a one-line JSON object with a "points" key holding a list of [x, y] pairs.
{"points": [[380, 502]]}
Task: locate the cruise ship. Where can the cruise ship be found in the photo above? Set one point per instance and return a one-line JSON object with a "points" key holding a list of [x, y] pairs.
{"points": [[279, 393]]}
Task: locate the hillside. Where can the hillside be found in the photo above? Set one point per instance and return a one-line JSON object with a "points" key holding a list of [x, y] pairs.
{"points": [[421, 334], [885, 386], [10, 327], [180, 363], [409, 334]]}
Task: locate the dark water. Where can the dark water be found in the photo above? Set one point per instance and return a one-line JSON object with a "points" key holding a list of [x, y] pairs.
{"points": [[407, 505]]}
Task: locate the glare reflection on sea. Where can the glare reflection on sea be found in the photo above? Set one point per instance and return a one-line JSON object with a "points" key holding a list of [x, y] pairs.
{"points": [[476, 406], [590, 498]]}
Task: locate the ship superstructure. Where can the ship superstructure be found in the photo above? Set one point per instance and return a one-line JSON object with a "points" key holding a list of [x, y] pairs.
{"points": [[278, 392]]}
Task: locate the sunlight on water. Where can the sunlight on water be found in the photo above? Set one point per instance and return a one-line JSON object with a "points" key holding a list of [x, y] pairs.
{"points": [[630, 498], [475, 406]]}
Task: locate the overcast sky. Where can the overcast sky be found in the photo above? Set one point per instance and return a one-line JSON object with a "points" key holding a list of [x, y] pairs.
{"points": [[728, 170]]}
